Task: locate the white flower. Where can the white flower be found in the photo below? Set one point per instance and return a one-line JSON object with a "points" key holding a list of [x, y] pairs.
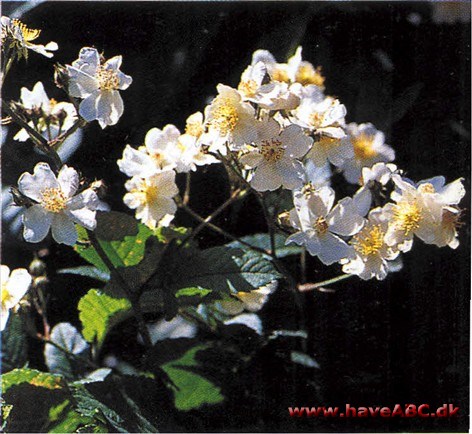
{"points": [[275, 157], [152, 198], [98, 84], [14, 287], [317, 176], [268, 95], [23, 36], [319, 224], [251, 301], [57, 208], [379, 172], [304, 72], [369, 148], [277, 71], [372, 252], [54, 117], [229, 119], [426, 210]]}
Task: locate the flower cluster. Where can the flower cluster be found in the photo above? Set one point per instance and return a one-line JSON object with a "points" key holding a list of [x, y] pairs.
{"points": [[278, 129]]}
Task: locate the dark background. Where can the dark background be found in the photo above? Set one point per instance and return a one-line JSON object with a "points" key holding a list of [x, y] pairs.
{"points": [[403, 340]]}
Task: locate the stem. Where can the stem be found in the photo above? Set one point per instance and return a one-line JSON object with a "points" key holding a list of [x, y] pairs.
{"points": [[303, 265], [124, 285], [311, 286], [237, 194], [186, 197], [37, 138], [270, 223], [221, 231], [79, 123]]}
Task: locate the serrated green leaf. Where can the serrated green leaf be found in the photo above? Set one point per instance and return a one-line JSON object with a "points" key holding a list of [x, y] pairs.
{"points": [[193, 390], [262, 241], [193, 292], [87, 271], [14, 344], [67, 337], [33, 377], [98, 313]]}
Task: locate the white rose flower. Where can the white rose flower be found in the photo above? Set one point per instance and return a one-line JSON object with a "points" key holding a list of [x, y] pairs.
{"points": [[275, 157], [303, 72], [277, 71], [379, 172], [14, 288], [56, 117], [229, 119], [57, 207], [369, 148], [23, 36], [152, 198], [98, 85], [372, 252], [320, 225]]}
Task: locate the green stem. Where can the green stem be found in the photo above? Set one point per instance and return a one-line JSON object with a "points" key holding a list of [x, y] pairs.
{"points": [[124, 285], [311, 286]]}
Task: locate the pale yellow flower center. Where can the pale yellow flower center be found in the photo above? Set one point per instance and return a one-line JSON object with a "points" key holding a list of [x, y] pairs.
{"points": [[53, 200], [151, 193], [248, 88], [194, 129], [364, 146], [407, 216], [426, 188], [224, 115], [280, 74], [107, 79], [308, 189], [6, 296], [321, 226], [316, 119], [368, 241], [307, 74], [272, 150], [28, 34]]}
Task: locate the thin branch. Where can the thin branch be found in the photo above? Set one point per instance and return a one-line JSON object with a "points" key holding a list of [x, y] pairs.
{"points": [[79, 123], [186, 197], [319, 285]]}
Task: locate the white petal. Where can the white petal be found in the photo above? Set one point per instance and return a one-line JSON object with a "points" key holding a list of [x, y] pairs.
{"points": [[17, 285], [114, 63], [88, 107], [266, 177], [4, 273], [63, 230], [37, 222], [291, 173], [109, 108], [135, 162], [343, 219], [34, 98], [84, 217], [32, 185], [125, 81], [4, 314], [68, 178], [333, 249], [81, 84], [453, 193], [88, 60]]}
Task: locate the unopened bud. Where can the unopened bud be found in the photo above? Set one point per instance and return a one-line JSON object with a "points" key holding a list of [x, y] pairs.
{"points": [[37, 267], [61, 76]]}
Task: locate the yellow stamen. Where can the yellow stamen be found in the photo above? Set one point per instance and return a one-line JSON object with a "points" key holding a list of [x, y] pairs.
{"points": [[28, 34], [53, 200], [107, 79], [407, 217], [321, 226], [369, 240], [272, 150], [363, 146], [224, 115], [194, 129], [280, 74], [328, 142], [307, 74], [426, 188], [248, 88]]}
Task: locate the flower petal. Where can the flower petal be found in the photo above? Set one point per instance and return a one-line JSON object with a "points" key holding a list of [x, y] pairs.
{"points": [[109, 108], [63, 230], [33, 185], [37, 222], [333, 249], [17, 285], [88, 107], [68, 179]]}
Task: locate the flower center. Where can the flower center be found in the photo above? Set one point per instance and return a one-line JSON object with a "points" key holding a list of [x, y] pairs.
{"points": [[316, 119], [107, 79], [307, 74], [321, 226], [6, 296], [248, 88], [368, 241], [308, 189], [280, 74], [28, 34], [224, 116], [194, 129], [272, 150], [151, 193], [426, 188], [363, 146], [53, 200], [407, 217]]}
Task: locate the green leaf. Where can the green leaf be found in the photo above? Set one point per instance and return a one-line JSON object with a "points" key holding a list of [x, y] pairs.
{"points": [[192, 390], [59, 362], [221, 269], [33, 377], [14, 344], [87, 271], [263, 242], [98, 313], [193, 292]]}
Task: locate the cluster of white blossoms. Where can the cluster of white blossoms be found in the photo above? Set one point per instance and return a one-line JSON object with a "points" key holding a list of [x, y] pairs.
{"points": [[280, 130]]}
